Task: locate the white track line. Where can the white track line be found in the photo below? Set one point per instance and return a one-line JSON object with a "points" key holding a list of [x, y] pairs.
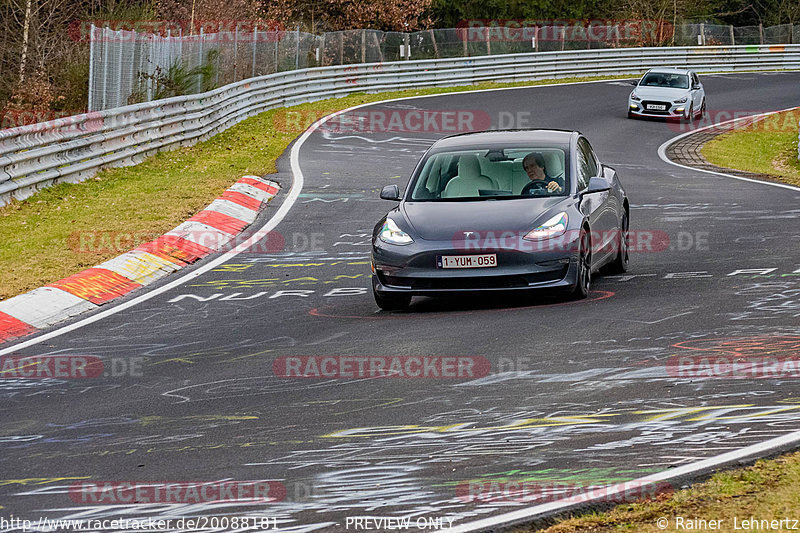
{"points": [[662, 152], [613, 493]]}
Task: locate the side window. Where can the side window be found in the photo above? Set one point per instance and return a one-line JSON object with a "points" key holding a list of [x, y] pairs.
{"points": [[587, 163], [584, 167]]}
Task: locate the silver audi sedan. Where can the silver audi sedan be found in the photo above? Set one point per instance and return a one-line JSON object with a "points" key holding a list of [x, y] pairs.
{"points": [[670, 93]]}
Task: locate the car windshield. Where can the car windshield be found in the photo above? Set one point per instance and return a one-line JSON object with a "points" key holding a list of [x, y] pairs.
{"points": [[665, 79], [492, 173]]}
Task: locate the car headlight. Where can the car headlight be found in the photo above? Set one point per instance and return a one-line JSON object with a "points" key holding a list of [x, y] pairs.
{"points": [[635, 98], [552, 228], [391, 234], [681, 100]]}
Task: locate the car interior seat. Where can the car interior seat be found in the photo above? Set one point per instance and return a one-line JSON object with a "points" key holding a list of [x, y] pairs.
{"points": [[469, 179]]}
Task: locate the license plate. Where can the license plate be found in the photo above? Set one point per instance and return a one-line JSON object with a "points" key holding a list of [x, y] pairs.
{"points": [[468, 261], [657, 107]]}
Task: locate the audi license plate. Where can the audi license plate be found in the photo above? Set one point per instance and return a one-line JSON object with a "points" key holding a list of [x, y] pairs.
{"points": [[468, 261], [657, 107]]}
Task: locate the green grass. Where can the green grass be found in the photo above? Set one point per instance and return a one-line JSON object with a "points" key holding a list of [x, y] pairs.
{"points": [[769, 147], [767, 490], [40, 237]]}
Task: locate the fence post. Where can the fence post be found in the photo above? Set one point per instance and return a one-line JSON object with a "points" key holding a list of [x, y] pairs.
{"points": [[378, 46], [91, 65], [297, 48], [235, 49], [219, 52], [105, 73], [407, 43], [435, 46], [341, 47], [733, 38], [277, 39], [363, 46], [761, 33], [321, 60], [464, 42], [255, 41], [488, 41], [200, 60]]}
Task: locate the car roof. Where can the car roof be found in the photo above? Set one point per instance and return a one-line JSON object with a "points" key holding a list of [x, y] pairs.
{"points": [[482, 138], [670, 70]]}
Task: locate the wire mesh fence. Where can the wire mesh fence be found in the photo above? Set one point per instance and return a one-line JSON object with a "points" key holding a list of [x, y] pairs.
{"points": [[131, 67]]}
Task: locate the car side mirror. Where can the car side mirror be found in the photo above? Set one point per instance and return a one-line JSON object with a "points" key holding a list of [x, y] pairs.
{"points": [[597, 184], [634, 82], [391, 192], [695, 87]]}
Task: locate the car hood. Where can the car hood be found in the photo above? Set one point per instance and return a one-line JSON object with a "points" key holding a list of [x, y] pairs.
{"points": [[438, 221], [660, 92]]}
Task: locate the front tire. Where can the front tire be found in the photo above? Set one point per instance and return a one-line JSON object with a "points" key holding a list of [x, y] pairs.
{"points": [[391, 302], [620, 264], [584, 275]]}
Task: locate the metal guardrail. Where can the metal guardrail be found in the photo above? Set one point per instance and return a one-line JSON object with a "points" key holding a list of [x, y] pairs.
{"points": [[74, 148]]}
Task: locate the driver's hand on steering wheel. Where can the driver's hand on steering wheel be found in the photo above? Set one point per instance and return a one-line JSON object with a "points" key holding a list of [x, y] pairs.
{"points": [[553, 187]]}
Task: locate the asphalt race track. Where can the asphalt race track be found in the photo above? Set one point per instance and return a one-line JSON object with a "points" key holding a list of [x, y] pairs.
{"points": [[577, 393]]}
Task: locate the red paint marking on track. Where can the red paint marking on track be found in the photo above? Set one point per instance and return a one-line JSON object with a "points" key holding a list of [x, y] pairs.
{"points": [[241, 199], [98, 285], [220, 221], [11, 328], [600, 295], [173, 247], [259, 185]]}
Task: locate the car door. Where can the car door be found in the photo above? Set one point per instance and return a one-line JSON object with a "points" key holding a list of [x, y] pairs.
{"points": [[601, 206]]}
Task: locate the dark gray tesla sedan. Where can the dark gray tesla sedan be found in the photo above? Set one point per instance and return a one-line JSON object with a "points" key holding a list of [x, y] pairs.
{"points": [[497, 211]]}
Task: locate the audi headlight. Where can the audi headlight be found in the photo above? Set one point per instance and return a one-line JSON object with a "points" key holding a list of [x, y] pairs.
{"points": [[552, 228], [391, 234], [681, 100], [635, 98]]}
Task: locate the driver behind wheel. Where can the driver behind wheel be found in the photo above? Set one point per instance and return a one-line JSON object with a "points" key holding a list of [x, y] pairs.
{"points": [[534, 165]]}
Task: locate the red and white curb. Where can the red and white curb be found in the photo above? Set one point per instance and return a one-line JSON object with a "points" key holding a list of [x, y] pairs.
{"points": [[208, 231]]}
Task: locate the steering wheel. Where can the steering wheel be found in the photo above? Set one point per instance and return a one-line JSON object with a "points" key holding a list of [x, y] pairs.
{"points": [[536, 185]]}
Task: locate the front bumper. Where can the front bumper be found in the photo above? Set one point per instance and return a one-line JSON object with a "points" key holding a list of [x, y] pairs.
{"points": [[412, 269], [671, 111]]}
